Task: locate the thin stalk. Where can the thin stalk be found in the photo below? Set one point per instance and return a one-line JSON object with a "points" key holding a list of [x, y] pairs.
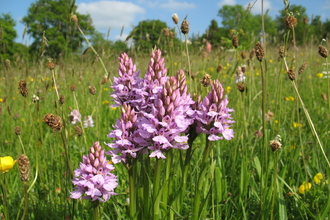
{"points": [[98, 56], [201, 179], [328, 77], [26, 201], [274, 186], [156, 191], [132, 193], [21, 142], [67, 155], [310, 122], [4, 193], [53, 75], [81, 124], [96, 210]]}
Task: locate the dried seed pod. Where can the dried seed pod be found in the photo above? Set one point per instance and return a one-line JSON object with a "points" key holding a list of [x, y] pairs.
{"points": [[260, 53], [73, 87], [291, 75], [50, 65], [243, 55], [92, 90], [235, 41], [252, 52], [206, 81], [241, 86], [61, 100], [324, 97], [24, 167], [17, 130], [185, 27], [78, 131], [23, 88], [275, 145], [175, 18], [166, 32], [323, 51], [74, 19], [54, 122], [302, 68], [219, 68], [281, 52], [290, 22], [7, 63]]}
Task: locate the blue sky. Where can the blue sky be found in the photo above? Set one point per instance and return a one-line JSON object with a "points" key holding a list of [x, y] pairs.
{"points": [[115, 14]]}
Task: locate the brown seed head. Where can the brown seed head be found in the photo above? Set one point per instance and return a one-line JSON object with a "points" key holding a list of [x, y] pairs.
{"points": [[281, 52], [171, 34], [305, 20], [243, 68], [78, 130], [252, 52], [166, 32], [73, 87], [50, 65], [275, 145], [175, 18], [17, 130], [260, 53], [61, 99], [185, 27], [92, 90], [74, 18], [290, 22], [324, 97], [291, 75], [7, 63], [241, 86], [243, 55], [323, 51], [23, 88], [206, 81], [54, 122], [235, 41], [104, 80], [302, 68], [219, 68], [269, 115], [258, 133], [24, 167]]}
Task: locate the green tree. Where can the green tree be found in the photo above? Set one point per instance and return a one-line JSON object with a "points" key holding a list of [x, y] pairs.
{"points": [[246, 25], [301, 29], [52, 17], [215, 33], [7, 36], [147, 34]]}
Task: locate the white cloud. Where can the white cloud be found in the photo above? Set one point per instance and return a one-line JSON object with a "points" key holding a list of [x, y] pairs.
{"points": [[256, 8], [226, 2], [174, 6], [112, 14]]}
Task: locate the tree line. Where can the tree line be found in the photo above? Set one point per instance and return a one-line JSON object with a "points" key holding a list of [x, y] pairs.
{"points": [[49, 24]]}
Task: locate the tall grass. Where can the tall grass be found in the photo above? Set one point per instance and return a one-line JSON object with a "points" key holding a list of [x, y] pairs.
{"points": [[232, 179]]}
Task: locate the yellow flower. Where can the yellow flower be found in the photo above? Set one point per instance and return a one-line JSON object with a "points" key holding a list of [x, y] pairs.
{"points": [[224, 67], [228, 89], [105, 102], [270, 61], [318, 178], [211, 69], [105, 89], [257, 74], [228, 64], [175, 64], [289, 98], [319, 75], [1, 100], [304, 187], [6, 163], [296, 125], [276, 121]]}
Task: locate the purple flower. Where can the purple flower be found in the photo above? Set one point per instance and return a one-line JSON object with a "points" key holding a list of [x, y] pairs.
{"points": [[212, 116], [93, 179], [88, 122], [75, 117]]}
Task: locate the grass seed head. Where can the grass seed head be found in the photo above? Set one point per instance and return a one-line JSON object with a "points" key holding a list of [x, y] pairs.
{"points": [[166, 32], [302, 68], [291, 75], [50, 65], [260, 53], [219, 68], [241, 86], [74, 19], [185, 27], [54, 122], [7, 63], [24, 167], [252, 52], [73, 87], [275, 145], [206, 81], [281, 52], [235, 41], [17, 130], [92, 90], [324, 97], [23, 88], [243, 55], [290, 22], [78, 131], [175, 18], [323, 51]]}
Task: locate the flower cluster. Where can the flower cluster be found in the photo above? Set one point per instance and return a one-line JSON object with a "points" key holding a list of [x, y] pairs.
{"points": [[75, 117], [158, 113], [212, 117], [93, 179]]}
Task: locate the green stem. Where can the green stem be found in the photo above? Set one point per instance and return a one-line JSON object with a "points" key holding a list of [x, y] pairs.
{"points": [[274, 186], [96, 210], [67, 155], [201, 179], [91, 46], [26, 200], [4, 193], [156, 191], [132, 193], [264, 146]]}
